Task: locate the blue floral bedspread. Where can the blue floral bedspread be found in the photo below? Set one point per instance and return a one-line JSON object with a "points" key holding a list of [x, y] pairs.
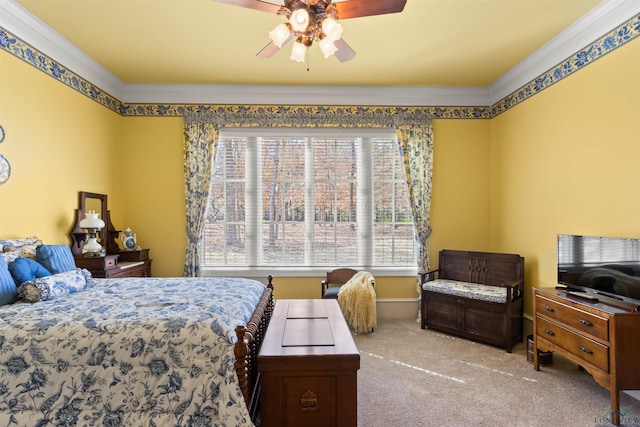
{"points": [[127, 352]]}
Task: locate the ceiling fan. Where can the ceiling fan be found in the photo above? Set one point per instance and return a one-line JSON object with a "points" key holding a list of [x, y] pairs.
{"points": [[316, 20]]}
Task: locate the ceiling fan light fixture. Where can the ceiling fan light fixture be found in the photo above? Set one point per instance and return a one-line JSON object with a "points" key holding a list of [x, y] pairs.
{"points": [[280, 34], [327, 47], [298, 52], [299, 20], [309, 20], [332, 29]]}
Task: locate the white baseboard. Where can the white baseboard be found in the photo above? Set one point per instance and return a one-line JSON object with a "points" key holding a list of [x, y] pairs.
{"points": [[397, 308]]}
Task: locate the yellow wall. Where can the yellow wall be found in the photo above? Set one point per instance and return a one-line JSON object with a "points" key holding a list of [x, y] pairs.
{"points": [[58, 142], [309, 287], [566, 161], [461, 197], [151, 185], [563, 161]]}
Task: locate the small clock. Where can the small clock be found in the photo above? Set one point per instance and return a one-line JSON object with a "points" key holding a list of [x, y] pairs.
{"points": [[5, 169]]}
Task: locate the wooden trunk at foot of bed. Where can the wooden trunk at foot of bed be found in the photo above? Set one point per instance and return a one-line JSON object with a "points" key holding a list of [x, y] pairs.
{"points": [[247, 347]]}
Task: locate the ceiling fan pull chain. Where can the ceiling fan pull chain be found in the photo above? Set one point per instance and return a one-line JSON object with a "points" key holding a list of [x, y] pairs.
{"points": [[308, 60]]}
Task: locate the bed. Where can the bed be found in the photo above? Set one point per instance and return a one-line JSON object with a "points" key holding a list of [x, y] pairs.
{"points": [[134, 351]]}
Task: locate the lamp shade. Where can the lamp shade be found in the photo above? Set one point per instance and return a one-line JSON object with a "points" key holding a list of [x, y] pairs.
{"points": [[298, 51], [327, 47], [280, 34], [91, 220], [332, 29], [299, 20]]}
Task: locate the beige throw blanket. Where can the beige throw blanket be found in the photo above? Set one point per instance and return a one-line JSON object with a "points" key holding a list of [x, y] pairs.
{"points": [[357, 299]]}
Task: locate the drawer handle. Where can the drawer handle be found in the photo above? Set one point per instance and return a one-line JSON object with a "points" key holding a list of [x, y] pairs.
{"points": [[546, 307], [586, 322], [585, 349], [547, 331], [309, 401]]}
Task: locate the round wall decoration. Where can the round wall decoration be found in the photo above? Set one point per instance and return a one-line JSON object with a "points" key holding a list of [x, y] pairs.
{"points": [[5, 169]]}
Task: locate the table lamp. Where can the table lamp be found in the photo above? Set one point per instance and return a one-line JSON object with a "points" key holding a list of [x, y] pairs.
{"points": [[92, 224]]}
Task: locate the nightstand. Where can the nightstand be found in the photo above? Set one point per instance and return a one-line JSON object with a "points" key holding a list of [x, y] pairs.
{"points": [[134, 263]]}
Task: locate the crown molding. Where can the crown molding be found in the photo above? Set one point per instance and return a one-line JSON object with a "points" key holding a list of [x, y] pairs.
{"points": [[35, 32], [603, 18], [600, 20], [307, 95]]}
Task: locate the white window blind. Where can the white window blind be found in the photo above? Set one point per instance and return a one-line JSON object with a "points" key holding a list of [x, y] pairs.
{"points": [[315, 199]]}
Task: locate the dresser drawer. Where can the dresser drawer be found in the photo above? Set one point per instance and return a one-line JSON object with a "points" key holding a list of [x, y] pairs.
{"points": [[138, 271], [573, 317], [582, 347]]}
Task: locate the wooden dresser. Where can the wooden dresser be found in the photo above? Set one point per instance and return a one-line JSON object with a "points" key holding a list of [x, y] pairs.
{"points": [[308, 365], [600, 335], [134, 263]]}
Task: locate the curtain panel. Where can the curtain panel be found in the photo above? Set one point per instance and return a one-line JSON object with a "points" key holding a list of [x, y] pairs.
{"points": [[414, 128], [200, 145], [416, 150]]}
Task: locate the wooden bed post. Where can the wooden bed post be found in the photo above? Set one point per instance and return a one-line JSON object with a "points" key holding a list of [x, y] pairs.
{"points": [[240, 350], [249, 340]]}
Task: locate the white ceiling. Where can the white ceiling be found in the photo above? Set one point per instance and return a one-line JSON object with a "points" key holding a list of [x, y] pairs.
{"points": [[431, 43]]}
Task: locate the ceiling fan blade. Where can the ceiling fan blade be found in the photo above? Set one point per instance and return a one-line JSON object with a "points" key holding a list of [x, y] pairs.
{"points": [[344, 52], [263, 6], [357, 8], [269, 50]]}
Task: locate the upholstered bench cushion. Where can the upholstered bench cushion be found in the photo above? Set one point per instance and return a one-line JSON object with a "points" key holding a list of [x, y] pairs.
{"points": [[332, 292], [469, 290]]}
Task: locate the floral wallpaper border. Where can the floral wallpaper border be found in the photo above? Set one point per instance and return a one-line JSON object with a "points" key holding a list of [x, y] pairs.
{"points": [[616, 38], [309, 116]]}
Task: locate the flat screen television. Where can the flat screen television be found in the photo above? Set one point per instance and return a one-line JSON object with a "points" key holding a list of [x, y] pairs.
{"points": [[607, 266]]}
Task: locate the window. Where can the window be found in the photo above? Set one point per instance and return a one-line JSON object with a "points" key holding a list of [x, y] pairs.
{"points": [[322, 198]]}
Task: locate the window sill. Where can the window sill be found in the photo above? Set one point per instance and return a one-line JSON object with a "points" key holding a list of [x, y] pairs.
{"points": [[263, 272]]}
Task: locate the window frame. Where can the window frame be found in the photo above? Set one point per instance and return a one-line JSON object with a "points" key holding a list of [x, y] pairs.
{"points": [[300, 271]]}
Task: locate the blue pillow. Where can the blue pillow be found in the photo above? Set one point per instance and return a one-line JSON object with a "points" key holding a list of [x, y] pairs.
{"points": [[25, 269], [55, 258], [8, 289]]}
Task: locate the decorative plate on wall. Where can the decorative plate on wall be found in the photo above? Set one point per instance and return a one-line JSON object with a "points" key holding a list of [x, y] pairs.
{"points": [[5, 169]]}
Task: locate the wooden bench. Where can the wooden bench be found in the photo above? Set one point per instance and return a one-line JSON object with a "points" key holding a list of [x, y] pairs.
{"points": [[476, 295]]}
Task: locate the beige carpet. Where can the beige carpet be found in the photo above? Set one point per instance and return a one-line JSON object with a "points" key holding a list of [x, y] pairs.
{"points": [[414, 377]]}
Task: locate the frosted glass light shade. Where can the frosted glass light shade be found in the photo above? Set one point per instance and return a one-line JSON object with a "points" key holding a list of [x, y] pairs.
{"points": [[299, 20], [91, 220], [332, 29], [327, 47], [279, 34], [298, 51], [92, 223], [92, 245]]}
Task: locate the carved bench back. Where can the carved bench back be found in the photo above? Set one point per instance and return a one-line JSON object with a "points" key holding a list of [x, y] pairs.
{"points": [[487, 268]]}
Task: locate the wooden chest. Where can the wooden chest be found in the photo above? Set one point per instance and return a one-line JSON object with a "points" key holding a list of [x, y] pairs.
{"points": [[308, 365]]}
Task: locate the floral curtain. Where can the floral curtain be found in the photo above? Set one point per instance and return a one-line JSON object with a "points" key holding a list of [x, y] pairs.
{"points": [[416, 149], [200, 144], [414, 127]]}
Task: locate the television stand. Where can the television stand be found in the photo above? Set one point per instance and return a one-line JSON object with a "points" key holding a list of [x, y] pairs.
{"points": [[600, 336], [583, 295]]}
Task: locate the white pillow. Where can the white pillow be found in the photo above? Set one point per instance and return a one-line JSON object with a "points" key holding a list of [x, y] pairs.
{"points": [[55, 286]]}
